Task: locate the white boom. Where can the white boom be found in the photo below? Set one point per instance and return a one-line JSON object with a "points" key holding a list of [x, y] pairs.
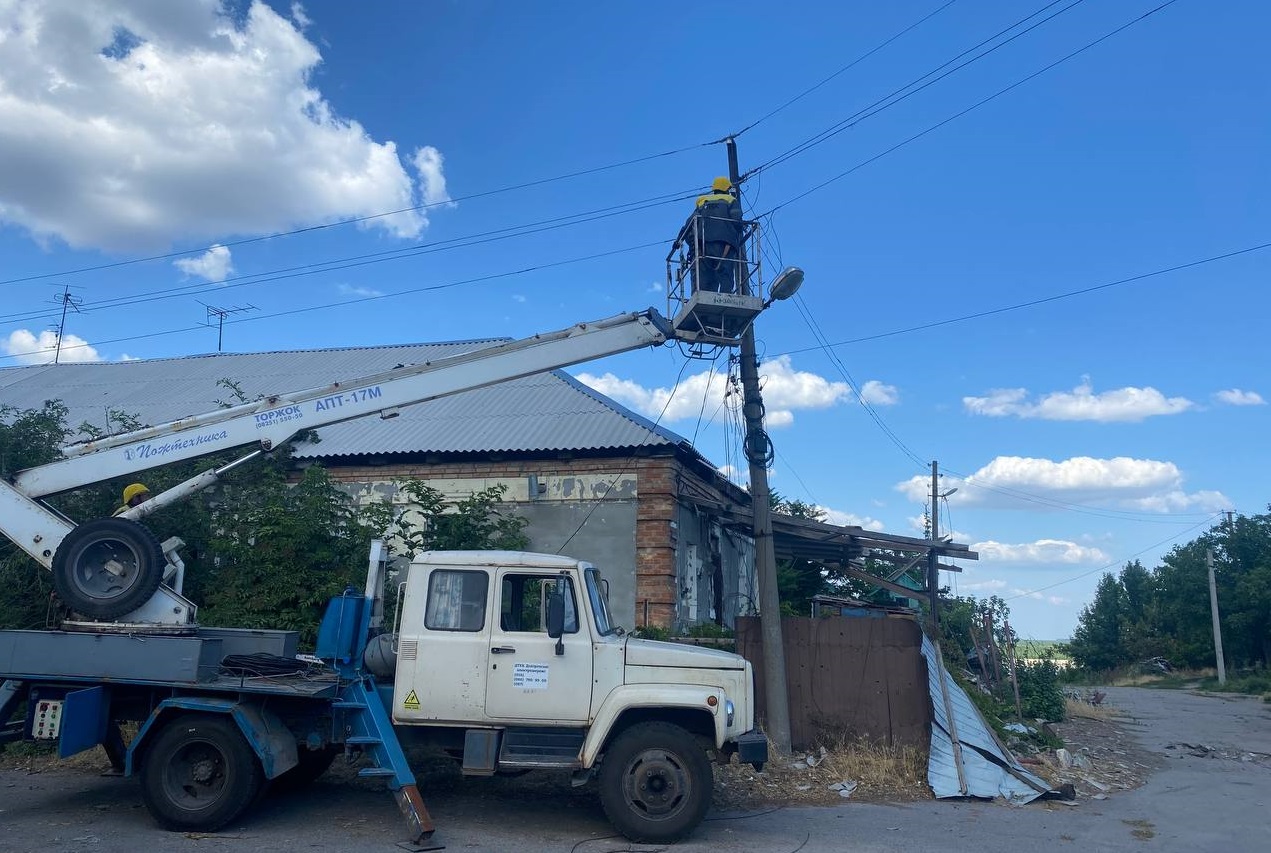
{"points": [[38, 530]]}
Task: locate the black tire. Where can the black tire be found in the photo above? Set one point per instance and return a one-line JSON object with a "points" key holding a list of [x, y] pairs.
{"points": [[108, 567], [199, 774], [655, 782], [311, 765]]}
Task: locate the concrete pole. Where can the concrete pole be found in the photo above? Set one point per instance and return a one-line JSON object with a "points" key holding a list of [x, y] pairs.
{"points": [[933, 560], [1213, 612], [776, 695]]}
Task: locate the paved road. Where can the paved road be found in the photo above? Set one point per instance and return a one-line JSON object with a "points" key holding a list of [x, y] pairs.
{"points": [[1195, 804]]}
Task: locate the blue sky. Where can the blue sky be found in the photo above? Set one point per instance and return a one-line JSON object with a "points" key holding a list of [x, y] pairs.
{"points": [[1079, 432]]}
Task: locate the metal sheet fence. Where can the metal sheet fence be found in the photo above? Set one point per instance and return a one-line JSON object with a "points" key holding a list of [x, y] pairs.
{"points": [[848, 677]]}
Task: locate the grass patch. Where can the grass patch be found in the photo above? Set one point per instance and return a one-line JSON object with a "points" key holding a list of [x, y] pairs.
{"points": [[1088, 711], [881, 773], [1250, 684]]}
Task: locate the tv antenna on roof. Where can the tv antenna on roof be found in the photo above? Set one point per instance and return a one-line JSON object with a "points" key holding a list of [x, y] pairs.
{"points": [[220, 314]]}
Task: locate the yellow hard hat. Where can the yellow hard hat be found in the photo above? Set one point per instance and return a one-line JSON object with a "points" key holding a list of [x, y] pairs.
{"points": [[133, 490], [722, 185]]}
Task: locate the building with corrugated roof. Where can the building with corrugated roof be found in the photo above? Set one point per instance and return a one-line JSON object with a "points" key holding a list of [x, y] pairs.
{"points": [[595, 480]]}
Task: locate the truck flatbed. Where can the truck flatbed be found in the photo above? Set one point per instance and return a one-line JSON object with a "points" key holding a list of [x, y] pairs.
{"points": [[191, 662]]}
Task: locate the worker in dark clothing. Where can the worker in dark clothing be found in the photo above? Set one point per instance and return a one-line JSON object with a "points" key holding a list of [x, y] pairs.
{"points": [[715, 229]]}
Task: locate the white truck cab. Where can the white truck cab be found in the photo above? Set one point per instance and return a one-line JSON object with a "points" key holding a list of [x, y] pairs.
{"points": [[518, 653]]}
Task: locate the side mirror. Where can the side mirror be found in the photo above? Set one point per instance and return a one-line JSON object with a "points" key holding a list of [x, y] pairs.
{"points": [[555, 615], [556, 620]]}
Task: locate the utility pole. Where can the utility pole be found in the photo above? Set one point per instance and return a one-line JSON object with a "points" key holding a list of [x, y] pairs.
{"points": [[1213, 612], [67, 301], [933, 559], [776, 697]]}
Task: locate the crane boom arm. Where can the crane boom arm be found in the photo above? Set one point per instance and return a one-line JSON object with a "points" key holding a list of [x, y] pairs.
{"points": [[276, 419]]}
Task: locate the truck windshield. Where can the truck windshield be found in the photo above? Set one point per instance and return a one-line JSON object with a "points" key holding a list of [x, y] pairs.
{"points": [[599, 606]]}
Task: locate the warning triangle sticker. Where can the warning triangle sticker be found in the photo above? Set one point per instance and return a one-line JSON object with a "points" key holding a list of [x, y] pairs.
{"points": [[411, 702]]}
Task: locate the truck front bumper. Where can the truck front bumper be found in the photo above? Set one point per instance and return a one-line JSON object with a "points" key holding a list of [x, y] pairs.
{"points": [[752, 748]]}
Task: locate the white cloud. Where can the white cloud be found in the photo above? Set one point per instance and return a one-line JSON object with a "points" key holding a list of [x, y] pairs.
{"points": [[129, 125], [655, 287], [1048, 551], [357, 290], [1056, 600], [785, 390], [1018, 482], [516, 297], [990, 585], [1236, 397], [428, 163], [213, 265], [877, 394], [850, 519], [1080, 404], [29, 348], [918, 523], [298, 15]]}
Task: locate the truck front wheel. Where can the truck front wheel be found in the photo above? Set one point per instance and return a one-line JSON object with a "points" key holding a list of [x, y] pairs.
{"points": [[199, 774], [655, 782]]}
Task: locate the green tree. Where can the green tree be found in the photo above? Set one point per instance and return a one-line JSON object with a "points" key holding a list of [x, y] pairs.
{"points": [[429, 523], [28, 437], [1096, 643], [261, 551], [278, 552]]}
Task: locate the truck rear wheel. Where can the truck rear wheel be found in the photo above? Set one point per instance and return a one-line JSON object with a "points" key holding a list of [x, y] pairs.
{"points": [[199, 774], [107, 568], [310, 764], [655, 782]]}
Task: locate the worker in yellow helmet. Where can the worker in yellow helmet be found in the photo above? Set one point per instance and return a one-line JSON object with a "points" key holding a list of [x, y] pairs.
{"points": [[713, 234], [134, 494]]}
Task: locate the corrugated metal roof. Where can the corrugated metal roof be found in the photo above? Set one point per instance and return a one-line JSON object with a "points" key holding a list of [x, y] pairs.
{"points": [[549, 412], [986, 769]]}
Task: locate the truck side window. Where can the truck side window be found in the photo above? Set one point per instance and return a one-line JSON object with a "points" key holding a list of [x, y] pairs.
{"points": [[521, 603], [456, 600]]}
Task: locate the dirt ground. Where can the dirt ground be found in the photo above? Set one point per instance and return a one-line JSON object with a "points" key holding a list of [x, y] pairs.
{"points": [[1204, 763]]}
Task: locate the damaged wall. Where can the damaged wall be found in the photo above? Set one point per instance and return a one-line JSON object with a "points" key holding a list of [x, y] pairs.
{"points": [[668, 564]]}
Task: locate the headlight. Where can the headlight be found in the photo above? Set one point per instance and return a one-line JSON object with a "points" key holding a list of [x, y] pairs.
{"points": [[729, 711]]}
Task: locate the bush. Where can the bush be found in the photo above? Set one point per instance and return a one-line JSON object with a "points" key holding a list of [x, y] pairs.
{"points": [[1040, 695]]}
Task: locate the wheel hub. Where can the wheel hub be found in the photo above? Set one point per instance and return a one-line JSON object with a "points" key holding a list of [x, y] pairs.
{"points": [[658, 784], [203, 771]]}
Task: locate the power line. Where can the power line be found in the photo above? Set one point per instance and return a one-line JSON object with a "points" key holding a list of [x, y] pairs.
{"points": [[456, 200], [336, 264], [974, 106], [354, 221], [844, 68], [852, 384], [1055, 503], [447, 285], [1114, 564], [1042, 301], [914, 87]]}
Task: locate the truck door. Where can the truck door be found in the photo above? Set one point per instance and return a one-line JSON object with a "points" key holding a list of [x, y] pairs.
{"points": [[441, 665], [526, 679]]}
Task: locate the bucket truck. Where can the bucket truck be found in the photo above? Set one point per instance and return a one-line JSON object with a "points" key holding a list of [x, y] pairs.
{"points": [[509, 661]]}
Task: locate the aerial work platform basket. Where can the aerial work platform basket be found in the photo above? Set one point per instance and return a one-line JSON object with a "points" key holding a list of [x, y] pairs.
{"points": [[701, 313]]}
